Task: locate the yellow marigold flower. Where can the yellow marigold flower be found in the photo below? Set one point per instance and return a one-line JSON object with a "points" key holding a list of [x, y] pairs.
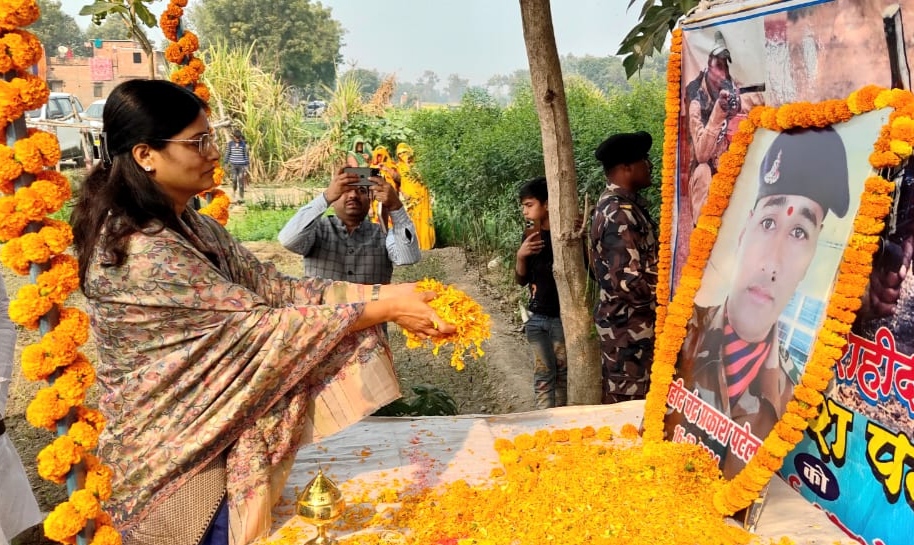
{"points": [[900, 148], [106, 535], [29, 306], [85, 503], [560, 436], [64, 522], [46, 409], [629, 431], [466, 315], [30, 203], [35, 363], [34, 249], [83, 435], [502, 444], [524, 441], [605, 433], [18, 13], [93, 417]]}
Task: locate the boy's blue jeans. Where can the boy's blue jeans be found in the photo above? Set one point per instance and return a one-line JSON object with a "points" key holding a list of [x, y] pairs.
{"points": [[550, 361]]}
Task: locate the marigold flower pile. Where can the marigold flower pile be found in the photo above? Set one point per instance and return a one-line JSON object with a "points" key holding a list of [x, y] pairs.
{"points": [[181, 52], [460, 310], [893, 146], [55, 357], [570, 486]]}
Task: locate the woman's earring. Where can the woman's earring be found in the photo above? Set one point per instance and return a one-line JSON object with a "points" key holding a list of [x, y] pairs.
{"points": [[148, 168]]}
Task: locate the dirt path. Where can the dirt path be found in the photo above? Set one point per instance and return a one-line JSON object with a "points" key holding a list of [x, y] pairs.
{"points": [[500, 382]]}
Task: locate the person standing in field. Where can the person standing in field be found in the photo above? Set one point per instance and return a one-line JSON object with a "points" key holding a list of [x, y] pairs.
{"points": [[624, 251], [236, 155], [533, 268]]}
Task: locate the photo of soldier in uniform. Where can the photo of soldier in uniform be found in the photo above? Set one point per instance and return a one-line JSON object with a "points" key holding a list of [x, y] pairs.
{"points": [[732, 357]]}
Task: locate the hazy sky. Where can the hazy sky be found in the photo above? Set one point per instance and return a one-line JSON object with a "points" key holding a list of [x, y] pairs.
{"points": [[473, 38]]}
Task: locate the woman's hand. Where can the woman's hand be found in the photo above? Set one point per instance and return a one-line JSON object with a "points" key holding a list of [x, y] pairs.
{"points": [[406, 307], [411, 310]]}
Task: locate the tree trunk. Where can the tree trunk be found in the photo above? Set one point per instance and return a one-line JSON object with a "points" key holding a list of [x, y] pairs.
{"points": [[584, 374]]}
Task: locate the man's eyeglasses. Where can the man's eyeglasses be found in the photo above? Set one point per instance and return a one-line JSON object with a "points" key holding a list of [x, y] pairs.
{"points": [[204, 143]]}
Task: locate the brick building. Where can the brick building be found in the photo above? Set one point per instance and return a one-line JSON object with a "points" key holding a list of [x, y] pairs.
{"points": [[92, 78]]}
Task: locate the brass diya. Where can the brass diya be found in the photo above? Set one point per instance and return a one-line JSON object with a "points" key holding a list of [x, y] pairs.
{"points": [[320, 503]]}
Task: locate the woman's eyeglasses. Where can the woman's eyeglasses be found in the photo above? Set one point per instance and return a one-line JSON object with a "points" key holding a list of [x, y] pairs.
{"points": [[204, 143]]}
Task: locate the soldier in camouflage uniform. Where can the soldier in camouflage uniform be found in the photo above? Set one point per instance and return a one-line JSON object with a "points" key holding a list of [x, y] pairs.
{"points": [[624, 252]]}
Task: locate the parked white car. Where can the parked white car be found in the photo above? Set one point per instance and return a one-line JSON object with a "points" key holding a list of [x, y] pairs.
{"points": [[66, 109], [93, 113]]}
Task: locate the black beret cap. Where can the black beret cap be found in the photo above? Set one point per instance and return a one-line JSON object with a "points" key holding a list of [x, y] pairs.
{"points": [[811, 163], [623, 149]]}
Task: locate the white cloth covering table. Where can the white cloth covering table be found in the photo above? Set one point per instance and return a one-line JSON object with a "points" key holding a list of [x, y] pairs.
{"points": [[400, 453]]}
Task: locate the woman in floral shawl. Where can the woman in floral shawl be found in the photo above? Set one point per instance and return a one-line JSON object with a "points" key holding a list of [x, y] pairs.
{"points": [[214, 367]]}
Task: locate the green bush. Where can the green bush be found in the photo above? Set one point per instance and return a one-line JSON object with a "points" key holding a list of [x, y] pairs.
{"points": [[474, 157], [259, 222]]}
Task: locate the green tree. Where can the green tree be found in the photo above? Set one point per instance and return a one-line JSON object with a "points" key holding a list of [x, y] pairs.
{"points": [[656, 22], [456, 87], [55, 28], [426, 87], [507, 87], [111, 29], [369, 80], [296, 39]]}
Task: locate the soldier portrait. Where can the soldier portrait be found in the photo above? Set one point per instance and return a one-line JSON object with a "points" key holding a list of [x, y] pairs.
{"points": [[732, 356]]}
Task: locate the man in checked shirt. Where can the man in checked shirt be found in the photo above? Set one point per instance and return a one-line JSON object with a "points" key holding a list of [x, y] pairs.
{"points": [[347, 246]]}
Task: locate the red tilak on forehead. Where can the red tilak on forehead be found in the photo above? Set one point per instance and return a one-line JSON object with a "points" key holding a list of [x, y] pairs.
{"points": [[789, 210]]}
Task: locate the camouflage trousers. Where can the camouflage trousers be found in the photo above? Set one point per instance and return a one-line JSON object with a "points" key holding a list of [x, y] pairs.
{"points": [[550, 361], [626, 366]]}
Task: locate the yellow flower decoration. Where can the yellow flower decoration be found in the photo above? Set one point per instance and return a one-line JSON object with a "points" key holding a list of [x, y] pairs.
{"points": [[460, 310], [892, 146]]}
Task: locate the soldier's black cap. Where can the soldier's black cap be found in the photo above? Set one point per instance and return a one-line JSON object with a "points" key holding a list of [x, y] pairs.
{"points": [[623, 149], [808, 162]]}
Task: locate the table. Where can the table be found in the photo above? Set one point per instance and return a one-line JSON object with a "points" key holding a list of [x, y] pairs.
{"points": [[426, 451]]}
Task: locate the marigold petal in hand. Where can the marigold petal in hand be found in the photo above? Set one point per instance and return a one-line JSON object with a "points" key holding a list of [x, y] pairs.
{"points": [[460, 310]]}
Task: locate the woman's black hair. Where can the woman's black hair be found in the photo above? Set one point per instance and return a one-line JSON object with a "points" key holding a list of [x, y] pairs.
{"points": [[118, 196]]}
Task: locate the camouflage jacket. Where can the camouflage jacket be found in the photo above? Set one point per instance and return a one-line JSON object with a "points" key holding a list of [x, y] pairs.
{"points": [[623, 240]]}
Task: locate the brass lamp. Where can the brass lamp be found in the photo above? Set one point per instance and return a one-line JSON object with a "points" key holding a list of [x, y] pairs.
{"points": [[321, 503]]}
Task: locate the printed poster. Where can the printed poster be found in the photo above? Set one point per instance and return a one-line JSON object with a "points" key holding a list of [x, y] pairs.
{"points": [[763, 297]]}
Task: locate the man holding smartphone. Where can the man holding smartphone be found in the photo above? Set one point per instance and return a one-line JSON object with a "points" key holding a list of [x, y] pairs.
{"points": [[346, 245]]}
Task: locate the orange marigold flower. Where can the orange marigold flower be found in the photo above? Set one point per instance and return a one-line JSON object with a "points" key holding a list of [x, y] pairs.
{"points": [[629, 431], [105, 535], [46, 409], [64, 522], [466, 315], [11, 256], [524, 441]]}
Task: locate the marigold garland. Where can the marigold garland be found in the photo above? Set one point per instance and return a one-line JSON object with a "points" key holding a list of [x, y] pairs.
{"points": [[56, 357], [667, 190], [181, 52], [460, 310], [893, 146]]}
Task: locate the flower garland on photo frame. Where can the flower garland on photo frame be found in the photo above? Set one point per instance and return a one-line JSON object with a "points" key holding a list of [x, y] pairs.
{"points": [[668, 172], [180, 51], [893, 146], [32, 240]]}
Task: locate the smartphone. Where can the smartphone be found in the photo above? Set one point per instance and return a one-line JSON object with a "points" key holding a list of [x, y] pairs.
{"points": [[364, 173], [530, 227]]}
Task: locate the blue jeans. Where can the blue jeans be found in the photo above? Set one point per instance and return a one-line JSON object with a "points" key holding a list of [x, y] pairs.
{"points": [[550, 361]]}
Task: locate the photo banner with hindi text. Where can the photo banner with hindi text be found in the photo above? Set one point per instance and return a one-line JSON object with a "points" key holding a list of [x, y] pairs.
{"points": [[771, 272]]}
